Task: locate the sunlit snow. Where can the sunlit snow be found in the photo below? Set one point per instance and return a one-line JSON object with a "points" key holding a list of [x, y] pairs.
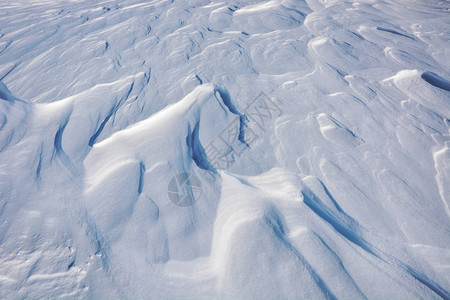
{"points": [[202, 149]]}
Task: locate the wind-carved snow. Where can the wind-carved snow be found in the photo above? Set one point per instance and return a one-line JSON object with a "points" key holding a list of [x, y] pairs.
{"points": [[340, 190], [166, 143]]}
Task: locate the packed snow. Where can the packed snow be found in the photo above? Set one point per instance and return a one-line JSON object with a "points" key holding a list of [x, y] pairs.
{"points": [[281, 149]]}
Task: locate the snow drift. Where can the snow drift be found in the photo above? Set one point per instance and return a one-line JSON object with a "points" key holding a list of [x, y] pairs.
{"points": [[317, 133]]}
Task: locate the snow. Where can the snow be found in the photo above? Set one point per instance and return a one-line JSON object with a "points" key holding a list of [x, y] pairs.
{"points": [[316, 134]]}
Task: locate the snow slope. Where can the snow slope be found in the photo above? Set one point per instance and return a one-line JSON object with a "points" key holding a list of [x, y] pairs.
{"points": [[315, 133]]}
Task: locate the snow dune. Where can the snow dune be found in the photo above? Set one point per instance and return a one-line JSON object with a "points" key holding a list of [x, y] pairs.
{"points": [[316, 135]]}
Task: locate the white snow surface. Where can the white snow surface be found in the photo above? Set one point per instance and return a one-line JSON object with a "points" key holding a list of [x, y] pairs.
{"points": [[339, 190]]}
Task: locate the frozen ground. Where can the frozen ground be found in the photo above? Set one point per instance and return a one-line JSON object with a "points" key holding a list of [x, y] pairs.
{"points": [[316, 135]]}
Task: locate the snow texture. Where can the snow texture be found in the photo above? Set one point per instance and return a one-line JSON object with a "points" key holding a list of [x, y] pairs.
{"points": [[317, 131]]}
